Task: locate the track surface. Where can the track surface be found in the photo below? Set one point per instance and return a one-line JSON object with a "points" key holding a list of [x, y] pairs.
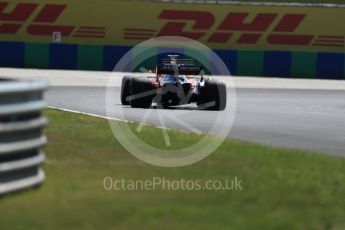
{"points": [[296, 113], [294, 118]]}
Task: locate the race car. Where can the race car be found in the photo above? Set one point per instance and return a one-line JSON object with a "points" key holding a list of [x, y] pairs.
{"points": [[176, 82]]}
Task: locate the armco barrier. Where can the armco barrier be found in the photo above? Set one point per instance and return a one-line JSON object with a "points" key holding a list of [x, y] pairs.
{"points": [[264, 40], [21, 138]]}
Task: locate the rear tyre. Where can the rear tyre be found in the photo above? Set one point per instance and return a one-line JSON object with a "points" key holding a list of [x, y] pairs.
{"points": [[213, 95], [125, 87], [138, 87]]}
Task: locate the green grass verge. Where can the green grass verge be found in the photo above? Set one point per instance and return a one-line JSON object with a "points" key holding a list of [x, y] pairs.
{"points": [[282, 189]]}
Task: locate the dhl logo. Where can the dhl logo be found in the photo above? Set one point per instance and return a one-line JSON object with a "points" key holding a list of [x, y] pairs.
{"points": [[262, 26], [43, 21], [236, 27]]}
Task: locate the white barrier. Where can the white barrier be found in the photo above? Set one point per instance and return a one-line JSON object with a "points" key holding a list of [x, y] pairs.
{"points": [[21, 124]]}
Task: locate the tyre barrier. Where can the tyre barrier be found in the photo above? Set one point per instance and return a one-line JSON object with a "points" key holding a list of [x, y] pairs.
{"points": [[21, 138]]}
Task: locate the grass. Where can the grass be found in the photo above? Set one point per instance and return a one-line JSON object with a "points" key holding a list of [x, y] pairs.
{"points": [[281, 189]]}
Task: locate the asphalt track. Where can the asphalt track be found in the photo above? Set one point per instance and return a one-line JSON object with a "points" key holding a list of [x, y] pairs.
{"points": [[294, 118], [294, 113]]}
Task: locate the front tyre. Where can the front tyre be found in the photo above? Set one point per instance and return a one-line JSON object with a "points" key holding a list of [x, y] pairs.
{"points": [[213, 95], [142, 92]]}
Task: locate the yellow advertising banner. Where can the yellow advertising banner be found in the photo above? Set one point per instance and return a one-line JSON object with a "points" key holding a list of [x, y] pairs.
{"points": [[106, 22]]}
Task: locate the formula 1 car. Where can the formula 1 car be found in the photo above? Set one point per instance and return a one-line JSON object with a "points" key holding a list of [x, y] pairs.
{"points": [[177, 82]]}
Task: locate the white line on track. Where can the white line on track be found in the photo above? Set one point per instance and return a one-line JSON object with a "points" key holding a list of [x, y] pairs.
{"points": [[109, 118], [89, 114]]}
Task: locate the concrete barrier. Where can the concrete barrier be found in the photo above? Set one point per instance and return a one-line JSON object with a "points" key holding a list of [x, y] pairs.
{"points": [[21, 124]]}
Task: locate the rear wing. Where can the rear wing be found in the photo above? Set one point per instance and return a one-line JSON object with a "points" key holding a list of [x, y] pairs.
{"points": [[179, 69], [176, 60]]}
